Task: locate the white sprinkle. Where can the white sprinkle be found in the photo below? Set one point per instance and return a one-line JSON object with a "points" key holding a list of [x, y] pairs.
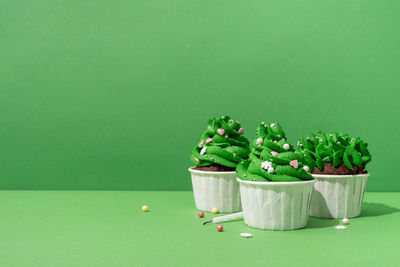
{"points": [[230, 121], [266, 165], [272, 124], [244, 175], [286, 146], [212, 158], [308, 137], [271, 170], [279, 135], [234, 154], [338, 142], [306, 168], [222, 117], [203, 150], [340, 227], [246, 235], [262, 123], [330, 134], [226, 136], [274, 141], [259, 141]]}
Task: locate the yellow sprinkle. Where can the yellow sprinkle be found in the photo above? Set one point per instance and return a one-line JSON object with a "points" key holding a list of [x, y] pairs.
{"points": [[145, 208], [214, 210]]}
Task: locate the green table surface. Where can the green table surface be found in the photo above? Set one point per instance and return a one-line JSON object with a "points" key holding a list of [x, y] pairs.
{"points": [[108, 228]]}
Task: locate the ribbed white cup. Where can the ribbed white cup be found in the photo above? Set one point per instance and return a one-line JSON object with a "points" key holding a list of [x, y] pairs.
{"points": [[276, 205], [338, 196], [216, 190]]}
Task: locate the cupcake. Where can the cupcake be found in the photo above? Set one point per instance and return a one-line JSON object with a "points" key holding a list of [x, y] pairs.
{"points": [[337, 162], [275, 185], [221, 147]]}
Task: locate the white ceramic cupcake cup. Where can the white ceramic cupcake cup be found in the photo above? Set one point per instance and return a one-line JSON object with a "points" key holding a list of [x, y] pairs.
{"points": [[276, 205], [216, 190], [338, 196]]}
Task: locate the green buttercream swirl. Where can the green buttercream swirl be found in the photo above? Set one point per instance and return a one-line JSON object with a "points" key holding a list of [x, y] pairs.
{"points": [[337, 148], [272, 158], [227, 149]]}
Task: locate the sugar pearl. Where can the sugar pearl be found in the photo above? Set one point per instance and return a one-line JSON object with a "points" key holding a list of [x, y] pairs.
{"points": [[201, 214], [145, 208], [220, 228], [286, 146], [259, 141], [345, 221], [274, 153], [214, 210]]}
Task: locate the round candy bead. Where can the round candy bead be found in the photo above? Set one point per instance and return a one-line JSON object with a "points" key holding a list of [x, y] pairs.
{"points": [[201, 214], [345, 221], [241, 131], [214, 210], [259, 141], [274, 153], [220, 228], [145, 208], [286, 146]]}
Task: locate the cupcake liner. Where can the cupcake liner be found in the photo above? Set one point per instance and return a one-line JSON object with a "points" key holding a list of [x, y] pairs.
{"points": [[276, 205], [216, 190], [338, 196]]}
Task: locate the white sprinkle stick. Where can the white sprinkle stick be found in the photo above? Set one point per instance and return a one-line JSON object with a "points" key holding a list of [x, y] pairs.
{"points": [[246, 235], [340, 227], [226, 218]]}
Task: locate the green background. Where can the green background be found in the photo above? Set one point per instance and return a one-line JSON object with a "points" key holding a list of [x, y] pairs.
{"points": [[114, 94]]}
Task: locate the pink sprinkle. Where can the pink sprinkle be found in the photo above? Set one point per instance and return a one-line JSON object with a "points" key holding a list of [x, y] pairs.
{"points": [[209, 140], [294, 163], [197, 160], [221, 132], [241, 131], [274, 153], [201, 143]]}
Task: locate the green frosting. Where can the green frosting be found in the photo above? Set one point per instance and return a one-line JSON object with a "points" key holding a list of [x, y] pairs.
{"points": [[222, 143], [333, 147], [272, 158]]}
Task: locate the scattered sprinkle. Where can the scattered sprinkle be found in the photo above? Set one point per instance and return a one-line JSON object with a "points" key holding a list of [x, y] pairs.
{"points": [[246, 235], [259, 141], [340, 227]]}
